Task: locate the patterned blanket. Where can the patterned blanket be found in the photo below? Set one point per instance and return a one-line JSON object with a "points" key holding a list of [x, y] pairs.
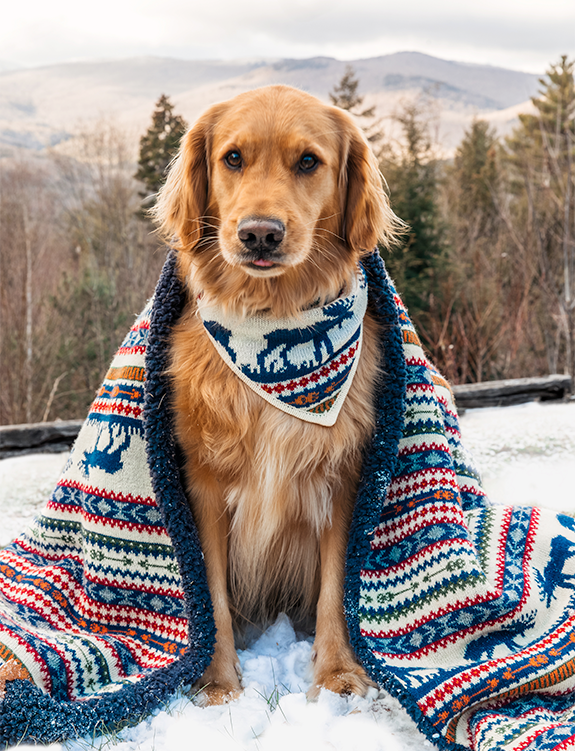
{"points": [[461, 609]]}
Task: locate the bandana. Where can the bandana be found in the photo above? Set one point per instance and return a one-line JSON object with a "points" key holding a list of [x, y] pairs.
{"points": [[303, 366]]}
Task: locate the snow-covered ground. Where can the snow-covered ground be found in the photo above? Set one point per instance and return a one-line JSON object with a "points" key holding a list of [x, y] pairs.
{"points": [[527, 456]]}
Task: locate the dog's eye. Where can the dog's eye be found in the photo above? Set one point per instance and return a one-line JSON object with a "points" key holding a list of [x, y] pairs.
{"points": [[308, 163], [233, 159]]}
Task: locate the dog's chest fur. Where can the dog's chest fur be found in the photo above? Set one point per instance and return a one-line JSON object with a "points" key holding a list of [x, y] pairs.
{"points": [[274, 476]]}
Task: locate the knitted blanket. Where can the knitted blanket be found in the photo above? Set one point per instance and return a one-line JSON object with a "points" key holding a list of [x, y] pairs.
{"points": [[461, 609]]}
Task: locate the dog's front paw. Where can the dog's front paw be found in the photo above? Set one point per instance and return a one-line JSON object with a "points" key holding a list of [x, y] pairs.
{"points": [[345, 677], [220, 684], [214, 694]]}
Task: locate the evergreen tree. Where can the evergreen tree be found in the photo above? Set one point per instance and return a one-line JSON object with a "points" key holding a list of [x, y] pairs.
{"points": [[556, 105], [475, 174], [345, 96], [159, 145], [411, 171], [540, 156], [482, 301]]}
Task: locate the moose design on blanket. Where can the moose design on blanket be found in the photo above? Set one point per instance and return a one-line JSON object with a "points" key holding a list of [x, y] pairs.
{"points": [[462, 609]]}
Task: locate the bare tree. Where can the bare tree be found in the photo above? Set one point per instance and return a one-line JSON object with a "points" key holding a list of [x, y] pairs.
{"points": [[76, 265], [117, 259], [30, 252]]}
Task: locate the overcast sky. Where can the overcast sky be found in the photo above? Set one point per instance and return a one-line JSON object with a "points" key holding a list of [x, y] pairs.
{"points": [[520, 34]]}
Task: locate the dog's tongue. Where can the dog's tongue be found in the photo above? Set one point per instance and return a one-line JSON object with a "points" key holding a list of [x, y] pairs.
{"points": [[263, 262]]}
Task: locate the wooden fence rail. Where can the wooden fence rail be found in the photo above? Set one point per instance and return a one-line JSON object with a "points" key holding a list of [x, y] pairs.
{"points": [[39, 437], [60, 435], [513, 391]]}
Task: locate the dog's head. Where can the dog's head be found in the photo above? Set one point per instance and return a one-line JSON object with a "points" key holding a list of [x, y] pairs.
{"points": [[273, 197]]}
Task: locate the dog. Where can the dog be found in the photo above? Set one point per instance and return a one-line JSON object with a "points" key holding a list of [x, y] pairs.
{"points": [[270, 203]]}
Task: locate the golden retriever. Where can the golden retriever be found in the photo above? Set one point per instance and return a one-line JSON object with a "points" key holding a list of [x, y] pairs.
{"points": [[270, 203]]}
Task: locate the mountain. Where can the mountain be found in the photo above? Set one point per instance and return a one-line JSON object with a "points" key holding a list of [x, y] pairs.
{"points": [[41, 107]]}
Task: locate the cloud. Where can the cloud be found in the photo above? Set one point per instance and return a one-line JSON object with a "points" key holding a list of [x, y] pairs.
{"points": [[518, 34]]}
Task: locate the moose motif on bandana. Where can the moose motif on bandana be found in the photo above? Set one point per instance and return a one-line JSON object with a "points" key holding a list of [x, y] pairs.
{"points": [[303, 366]]}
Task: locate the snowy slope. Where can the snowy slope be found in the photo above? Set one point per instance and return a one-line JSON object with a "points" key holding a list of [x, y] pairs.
{"points": [[527, 456]]}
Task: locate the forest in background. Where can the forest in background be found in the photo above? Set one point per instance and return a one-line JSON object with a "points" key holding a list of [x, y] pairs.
{"points": [[486, 266]]}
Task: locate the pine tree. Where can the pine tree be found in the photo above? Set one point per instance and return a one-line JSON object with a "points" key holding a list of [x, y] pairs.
{"points": [[556, 105], [411, 171], [540, 155], [159, 145], [482, 301], [476, 174], [345, 96]]}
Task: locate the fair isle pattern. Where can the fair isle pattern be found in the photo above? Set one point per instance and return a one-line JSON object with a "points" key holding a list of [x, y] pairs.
{"points": [[468, 606], [305, 366], [463, 610], [92, 595]]}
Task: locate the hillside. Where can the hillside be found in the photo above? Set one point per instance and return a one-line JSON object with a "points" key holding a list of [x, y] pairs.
{"points": [[40, 107]]}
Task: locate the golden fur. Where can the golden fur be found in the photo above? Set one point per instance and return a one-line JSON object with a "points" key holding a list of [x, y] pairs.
{"points": [[272, 495]]}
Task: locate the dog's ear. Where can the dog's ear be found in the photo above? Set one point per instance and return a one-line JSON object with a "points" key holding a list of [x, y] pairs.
{"points": [[183, 200], [367, 215]]}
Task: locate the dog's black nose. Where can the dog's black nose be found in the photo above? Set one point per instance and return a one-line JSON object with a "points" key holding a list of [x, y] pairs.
{"points": [[261, 234]]}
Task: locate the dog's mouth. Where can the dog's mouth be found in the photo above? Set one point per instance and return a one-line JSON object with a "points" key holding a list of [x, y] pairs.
{"points": [[262, 265]]}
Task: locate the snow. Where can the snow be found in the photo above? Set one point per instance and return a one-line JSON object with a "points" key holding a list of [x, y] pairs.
{"points": [[526, 453], [527, 456], [25, 484]]}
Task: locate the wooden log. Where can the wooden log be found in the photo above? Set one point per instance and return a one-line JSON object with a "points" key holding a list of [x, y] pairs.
{"points": [[512, 391], [60, 435], [37, 437]]}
